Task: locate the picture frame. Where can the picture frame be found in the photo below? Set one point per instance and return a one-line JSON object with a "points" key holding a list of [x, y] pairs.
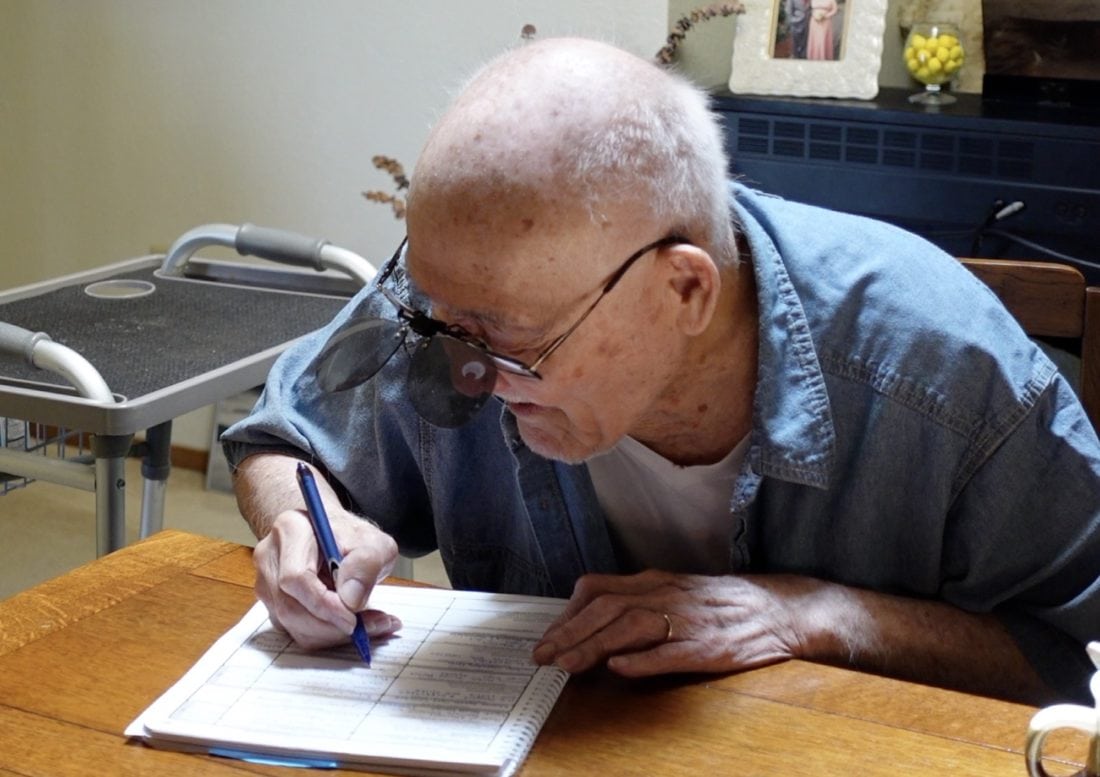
{"points": [[773, 54]]}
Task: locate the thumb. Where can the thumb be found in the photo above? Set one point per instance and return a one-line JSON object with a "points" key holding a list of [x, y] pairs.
{"points": [[353, 594], [368, 560]]}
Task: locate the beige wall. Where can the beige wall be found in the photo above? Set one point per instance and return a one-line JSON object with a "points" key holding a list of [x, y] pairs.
{"points": [[124, 123]]}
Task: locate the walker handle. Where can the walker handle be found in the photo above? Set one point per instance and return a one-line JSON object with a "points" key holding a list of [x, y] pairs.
{"points": [[277, 245], [38, 350], [17, 341]]}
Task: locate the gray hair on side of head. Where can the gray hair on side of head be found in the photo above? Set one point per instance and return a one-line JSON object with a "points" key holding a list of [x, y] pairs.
{"points": [[670, 145]]}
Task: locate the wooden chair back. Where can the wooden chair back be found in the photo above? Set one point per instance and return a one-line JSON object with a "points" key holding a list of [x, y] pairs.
{"points": [[1051, 300]]}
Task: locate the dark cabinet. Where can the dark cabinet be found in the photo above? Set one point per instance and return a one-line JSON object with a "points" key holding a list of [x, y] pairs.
{"points": [[945, 174]]}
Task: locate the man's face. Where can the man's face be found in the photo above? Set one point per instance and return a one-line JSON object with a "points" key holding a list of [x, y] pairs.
{"points": [[519, 289]]}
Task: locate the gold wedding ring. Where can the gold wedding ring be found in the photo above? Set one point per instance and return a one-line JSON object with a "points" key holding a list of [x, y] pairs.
{"points": [[668, 622]]}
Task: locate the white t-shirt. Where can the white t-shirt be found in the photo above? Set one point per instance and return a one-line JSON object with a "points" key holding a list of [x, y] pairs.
{"points": [[665, 516]]}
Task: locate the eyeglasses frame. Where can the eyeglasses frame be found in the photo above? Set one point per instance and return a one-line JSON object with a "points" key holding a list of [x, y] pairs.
{"points": [[425, 326]]}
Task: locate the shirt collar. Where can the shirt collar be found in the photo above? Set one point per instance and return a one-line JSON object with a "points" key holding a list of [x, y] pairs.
{"points": [[793, 433]]}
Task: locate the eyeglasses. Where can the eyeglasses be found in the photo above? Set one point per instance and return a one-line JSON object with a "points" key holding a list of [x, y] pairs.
{"points": [[451, 372]]}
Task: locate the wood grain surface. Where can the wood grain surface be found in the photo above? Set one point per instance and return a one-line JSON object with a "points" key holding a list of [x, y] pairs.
{"points": [[82, 655]]}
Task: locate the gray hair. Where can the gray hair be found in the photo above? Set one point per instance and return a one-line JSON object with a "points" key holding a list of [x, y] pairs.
{"points": [[615, 129], [670, 145]]}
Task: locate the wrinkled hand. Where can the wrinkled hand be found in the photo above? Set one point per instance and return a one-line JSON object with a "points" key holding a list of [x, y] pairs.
{"points": [[714, 624], [296, 595]]}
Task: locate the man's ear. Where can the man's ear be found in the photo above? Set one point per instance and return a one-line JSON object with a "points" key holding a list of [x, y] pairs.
{"points": [[696, 283]]}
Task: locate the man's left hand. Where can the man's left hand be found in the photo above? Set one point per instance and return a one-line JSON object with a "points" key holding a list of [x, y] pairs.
{"points": [[659, 622]]}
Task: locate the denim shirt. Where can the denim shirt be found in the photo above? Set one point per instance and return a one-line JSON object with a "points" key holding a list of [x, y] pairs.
{"points": [[907, 437]]}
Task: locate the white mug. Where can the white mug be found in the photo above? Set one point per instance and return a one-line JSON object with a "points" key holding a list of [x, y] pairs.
{"points": [[1086, 719]]}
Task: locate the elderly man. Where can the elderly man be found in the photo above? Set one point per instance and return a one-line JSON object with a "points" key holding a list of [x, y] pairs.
{"points": [[732, 429]]}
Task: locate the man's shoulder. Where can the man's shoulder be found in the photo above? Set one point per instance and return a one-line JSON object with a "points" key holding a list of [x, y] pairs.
{"points": [[890, 310]]}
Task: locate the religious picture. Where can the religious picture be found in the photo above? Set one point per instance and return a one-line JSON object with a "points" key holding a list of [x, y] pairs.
{"points": [[809, 29]]}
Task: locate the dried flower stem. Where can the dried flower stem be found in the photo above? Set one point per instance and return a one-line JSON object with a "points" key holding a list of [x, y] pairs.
{"points": [[396, 203], [394, 168], [679, 30], [400, 182]]}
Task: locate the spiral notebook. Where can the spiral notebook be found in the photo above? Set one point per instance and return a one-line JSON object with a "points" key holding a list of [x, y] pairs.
{"points": [[453, 692]]}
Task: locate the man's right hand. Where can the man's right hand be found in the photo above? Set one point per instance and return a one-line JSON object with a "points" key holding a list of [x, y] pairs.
{"points": [[289, 580]]}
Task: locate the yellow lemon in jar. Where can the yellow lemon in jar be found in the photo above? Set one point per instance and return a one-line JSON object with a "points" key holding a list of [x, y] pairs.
{"points": [[934, 57]]}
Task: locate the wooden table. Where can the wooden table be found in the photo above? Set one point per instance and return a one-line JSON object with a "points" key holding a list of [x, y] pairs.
{"points": [[82, 655]]}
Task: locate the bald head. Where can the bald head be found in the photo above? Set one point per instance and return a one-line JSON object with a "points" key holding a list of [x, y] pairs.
{"points": [[578, 127]]}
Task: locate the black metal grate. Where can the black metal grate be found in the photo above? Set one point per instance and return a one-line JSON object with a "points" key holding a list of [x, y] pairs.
{"points": [[932, 150]]}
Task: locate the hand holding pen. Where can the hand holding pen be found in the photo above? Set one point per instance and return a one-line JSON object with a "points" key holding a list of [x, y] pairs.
{"points": [[326, 545]]}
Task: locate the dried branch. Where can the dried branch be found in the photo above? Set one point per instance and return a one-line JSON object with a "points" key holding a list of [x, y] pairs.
{"points": [[397, 203], [400, 183], [679, 30], [394, 168]]}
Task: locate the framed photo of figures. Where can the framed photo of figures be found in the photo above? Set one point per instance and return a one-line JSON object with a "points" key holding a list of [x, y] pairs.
{"points": [[808, 48]]}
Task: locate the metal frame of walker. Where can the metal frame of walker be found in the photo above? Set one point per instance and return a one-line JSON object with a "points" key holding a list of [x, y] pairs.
{"points": [[105, 473]]}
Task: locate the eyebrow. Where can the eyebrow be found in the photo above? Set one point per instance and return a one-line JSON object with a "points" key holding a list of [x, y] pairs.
{"points": [[481, 316], [496, 321]]}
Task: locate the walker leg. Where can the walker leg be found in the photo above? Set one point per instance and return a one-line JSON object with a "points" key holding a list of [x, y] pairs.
{"points": [[110, 491], [155, 467]]}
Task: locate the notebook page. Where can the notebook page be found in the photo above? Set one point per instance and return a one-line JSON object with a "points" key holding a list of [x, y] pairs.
{"points": [[455, 690]]}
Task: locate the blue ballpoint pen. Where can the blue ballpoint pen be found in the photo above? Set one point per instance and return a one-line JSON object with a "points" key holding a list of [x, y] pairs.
{"points": [[318, 518]]}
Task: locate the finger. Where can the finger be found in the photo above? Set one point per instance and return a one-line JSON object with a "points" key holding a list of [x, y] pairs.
{"points": [[286, 613], [568, 631], [298, 576], [665, 658], [288, 581], [691, 656], [590, 587], [633, 630], [304, 628], [312, 633], [599, 599], [380, 624], [369, 556]]}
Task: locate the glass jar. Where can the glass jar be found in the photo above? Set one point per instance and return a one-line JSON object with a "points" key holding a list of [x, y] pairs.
{"points": [[933, 55]]}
